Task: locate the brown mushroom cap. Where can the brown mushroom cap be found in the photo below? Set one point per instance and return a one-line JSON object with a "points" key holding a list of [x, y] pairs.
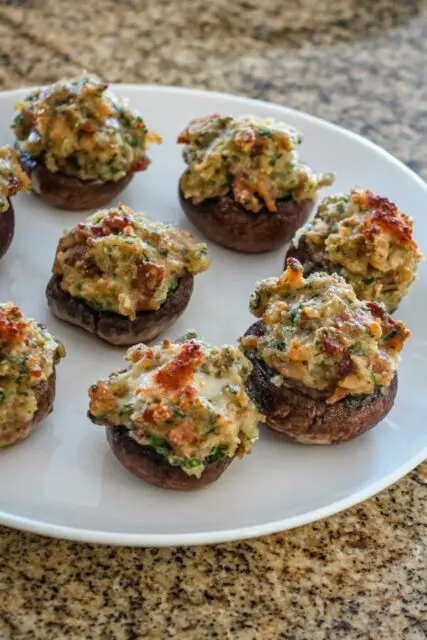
{"points": [[230, 225], [302, 414], [113, 327], [45, 395], [69, 192], [7, 229], [145, 463]]}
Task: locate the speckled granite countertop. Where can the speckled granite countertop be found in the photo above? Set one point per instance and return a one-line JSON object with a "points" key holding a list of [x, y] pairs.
{"points": [[361, 574]]}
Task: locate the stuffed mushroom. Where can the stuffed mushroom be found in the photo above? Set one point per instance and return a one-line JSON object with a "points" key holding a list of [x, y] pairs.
{"points": [[245, 186], [12, 179], [179, 414], [365, 239], [80, 143], [324, 362], [123, 276], [27, 385]]}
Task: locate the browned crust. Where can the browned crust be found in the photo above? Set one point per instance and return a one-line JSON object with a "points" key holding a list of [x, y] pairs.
{"points": [[112, 327], [302, 252], [69, 192], [145, 463], [230, 225], [45, 393], [7, 229], [303, 415]]}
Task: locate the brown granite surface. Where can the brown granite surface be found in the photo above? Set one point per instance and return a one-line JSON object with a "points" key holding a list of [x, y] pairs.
{"points": [[361, 574]]}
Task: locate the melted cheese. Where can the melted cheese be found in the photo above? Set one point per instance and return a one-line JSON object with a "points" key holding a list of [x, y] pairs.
{"points": [[319, 334], [187, 401]]}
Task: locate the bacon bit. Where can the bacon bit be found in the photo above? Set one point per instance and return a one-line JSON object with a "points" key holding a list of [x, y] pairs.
{"points": [[330, 344], [376, 310], [36, 373], [346, 365], [179, 372], [264, 192], [394, 332], [148, 279], [385, 216], [140, 165], [91, 230], [116, 222]]}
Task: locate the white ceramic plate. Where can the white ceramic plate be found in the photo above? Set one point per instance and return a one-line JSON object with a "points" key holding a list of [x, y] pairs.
{"points": [[63, 481]]}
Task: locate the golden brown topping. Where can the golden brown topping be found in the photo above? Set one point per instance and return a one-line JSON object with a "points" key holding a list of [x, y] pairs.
{"points": [[318, 333], [12, 325], [179, 371], [29, 354], [120, 260], [383, 216], [187, 401], [81, 128], [255, 159], [368, 240]]}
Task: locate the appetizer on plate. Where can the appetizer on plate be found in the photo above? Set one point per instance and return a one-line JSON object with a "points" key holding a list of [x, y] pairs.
{"points": [[12, 179], [80, 143], [27, 383], [179, 414], [245, 186], [324, 362], [123, 276], [365, 239]]}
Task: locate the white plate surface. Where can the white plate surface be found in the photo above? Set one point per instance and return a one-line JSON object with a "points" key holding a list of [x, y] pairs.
{"points": [[63, 481]]}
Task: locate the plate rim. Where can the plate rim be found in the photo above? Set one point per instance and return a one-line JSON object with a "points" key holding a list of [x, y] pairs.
{"points": [[111, 538], [94, 536]]}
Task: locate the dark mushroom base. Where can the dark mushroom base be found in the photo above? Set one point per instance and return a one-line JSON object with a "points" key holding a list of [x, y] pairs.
{"points": [[230, 225], [7, 229], [303, 414], [69, 192], [303, 253], [113, 327], [145, 463], [16, 432]]}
